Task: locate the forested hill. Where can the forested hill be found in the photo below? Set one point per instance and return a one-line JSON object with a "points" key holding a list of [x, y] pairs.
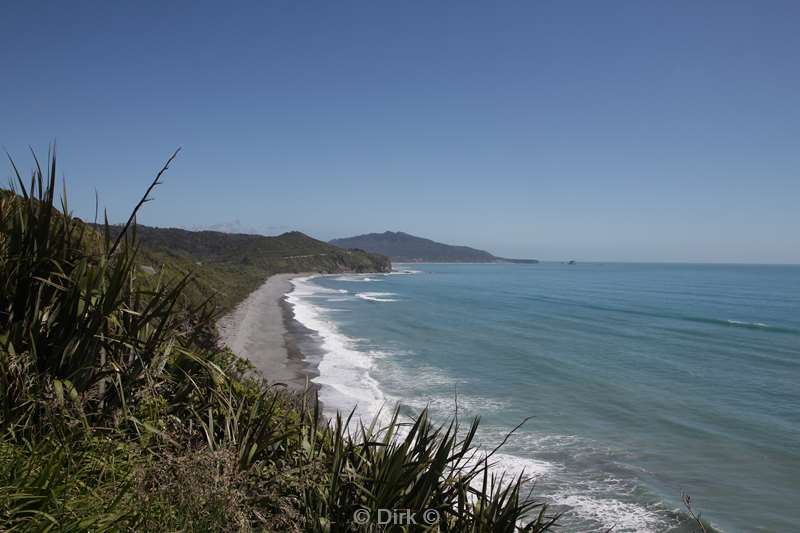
{"points": [[402, 247], [236, 264]]}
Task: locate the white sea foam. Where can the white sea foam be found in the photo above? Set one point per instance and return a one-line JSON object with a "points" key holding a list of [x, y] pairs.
{"points": [[611, 512], [377, 296], [355, 278], [467, 405], [514, 466], [309, 290], [344, 371], [507, 469], [429, 377], [588, 499], [748, 324], [375, 277]]}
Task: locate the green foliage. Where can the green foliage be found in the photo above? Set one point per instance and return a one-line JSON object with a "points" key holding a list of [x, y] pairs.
{"points": [[415, 466], [73, 314], [235, 264], [118, 411], [80, 486]]}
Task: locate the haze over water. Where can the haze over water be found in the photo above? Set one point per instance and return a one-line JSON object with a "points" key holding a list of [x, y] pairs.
{"points": [[644, 380]]}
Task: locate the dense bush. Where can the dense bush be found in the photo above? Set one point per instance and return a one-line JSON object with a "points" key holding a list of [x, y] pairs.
{"points": [[118, 412]]}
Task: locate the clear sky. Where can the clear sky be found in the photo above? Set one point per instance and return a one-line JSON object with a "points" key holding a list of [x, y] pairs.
{"points": [[632, 131]]}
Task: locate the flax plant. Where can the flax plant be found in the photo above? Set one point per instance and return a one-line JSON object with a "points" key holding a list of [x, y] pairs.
{"points": [[119, 412]]}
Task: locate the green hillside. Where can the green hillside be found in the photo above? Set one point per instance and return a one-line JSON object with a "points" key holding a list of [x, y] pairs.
{"points": [[235, 264]]}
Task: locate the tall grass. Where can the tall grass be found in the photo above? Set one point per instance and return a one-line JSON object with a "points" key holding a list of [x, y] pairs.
{"points": [[118, 412]]}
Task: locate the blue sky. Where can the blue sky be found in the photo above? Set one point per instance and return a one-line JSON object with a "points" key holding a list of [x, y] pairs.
{"points": [[632, 131]]}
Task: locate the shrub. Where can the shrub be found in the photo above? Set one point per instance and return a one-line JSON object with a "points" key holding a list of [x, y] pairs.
{"points": [[118, 412]]}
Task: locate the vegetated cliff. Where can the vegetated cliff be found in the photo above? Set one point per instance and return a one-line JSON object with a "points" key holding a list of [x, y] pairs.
{"points": [[235, 264]]}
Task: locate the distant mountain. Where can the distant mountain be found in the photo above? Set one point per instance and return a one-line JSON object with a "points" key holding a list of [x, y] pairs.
{"points": [[236, 226], [405, 248], [228, 227]]}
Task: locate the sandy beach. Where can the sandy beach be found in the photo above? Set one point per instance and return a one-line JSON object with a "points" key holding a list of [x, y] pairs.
{"points": [[257, 331]]}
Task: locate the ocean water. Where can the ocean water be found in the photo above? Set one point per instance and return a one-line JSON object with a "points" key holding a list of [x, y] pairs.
{"points": [[643, 380]]}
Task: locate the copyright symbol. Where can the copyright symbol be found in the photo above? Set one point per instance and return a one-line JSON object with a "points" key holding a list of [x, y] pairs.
{"points": [[430, 516], [361, 516]]}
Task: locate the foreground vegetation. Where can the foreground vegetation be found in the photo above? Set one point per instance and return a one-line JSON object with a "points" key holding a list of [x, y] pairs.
{"points": [[118, 411]]}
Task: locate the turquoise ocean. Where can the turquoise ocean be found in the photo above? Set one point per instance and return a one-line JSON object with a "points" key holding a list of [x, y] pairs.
{"points": [[643, 381]]}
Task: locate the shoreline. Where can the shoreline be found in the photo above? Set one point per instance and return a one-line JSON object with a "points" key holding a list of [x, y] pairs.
{"points": [[261, 329], [296, 341]]}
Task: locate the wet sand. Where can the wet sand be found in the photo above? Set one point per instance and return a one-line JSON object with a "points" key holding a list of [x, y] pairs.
{"points": [[258, 330]]}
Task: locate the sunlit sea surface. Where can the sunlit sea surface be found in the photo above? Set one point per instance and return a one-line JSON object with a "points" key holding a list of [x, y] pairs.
{"points": [[643, 380]]}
